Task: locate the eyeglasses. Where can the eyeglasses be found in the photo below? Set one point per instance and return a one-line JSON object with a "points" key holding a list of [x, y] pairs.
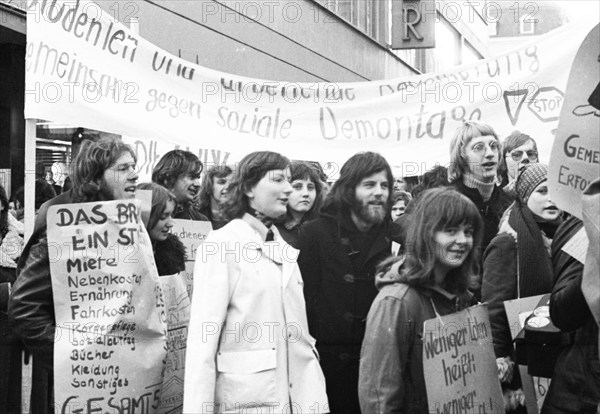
{"points": [[481, 147], [532, 155]]}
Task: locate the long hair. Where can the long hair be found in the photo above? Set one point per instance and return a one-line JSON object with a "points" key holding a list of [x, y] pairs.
{"points": [[514, 140], [463, 135], [88, 167], [300, 170], [175, 164], [251, 169], [4, 214], [216, 171], [343, 194], [160, 197], [438, 209]]}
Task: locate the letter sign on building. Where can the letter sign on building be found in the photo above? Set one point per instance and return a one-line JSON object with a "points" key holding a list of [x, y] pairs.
{"points": [[413, 24]]}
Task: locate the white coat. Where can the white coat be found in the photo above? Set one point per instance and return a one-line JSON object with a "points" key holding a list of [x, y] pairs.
{"points": [[248, 342]]}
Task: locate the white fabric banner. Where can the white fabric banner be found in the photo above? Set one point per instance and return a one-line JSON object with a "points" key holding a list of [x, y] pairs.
{"points": [[86, 69]]}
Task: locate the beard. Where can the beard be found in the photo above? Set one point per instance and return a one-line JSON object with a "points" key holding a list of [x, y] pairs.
{"points": [[370, 213]]}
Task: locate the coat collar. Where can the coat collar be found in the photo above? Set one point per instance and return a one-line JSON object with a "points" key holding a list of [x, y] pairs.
{"points": [[277, 251], [257, 226]]}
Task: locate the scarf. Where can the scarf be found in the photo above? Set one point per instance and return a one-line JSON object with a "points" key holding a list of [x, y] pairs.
{"points": [[267, 221], [534, 272], [485, 189]]}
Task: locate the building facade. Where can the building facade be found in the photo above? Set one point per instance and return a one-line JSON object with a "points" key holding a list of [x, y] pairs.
{"points": [[515, 23]]}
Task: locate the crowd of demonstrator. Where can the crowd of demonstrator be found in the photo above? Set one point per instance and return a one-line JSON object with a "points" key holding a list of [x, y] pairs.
{"points": [[356, 267]]}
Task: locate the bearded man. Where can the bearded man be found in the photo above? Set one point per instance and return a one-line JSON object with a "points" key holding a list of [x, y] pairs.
{"points": [[338, 255]]}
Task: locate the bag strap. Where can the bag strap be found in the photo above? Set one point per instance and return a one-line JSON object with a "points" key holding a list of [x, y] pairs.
{"points": [[436, 312]]}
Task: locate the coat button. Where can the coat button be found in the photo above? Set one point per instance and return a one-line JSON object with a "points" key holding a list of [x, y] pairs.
{"points": [[344, 356], [348, 317], [349, 278]]}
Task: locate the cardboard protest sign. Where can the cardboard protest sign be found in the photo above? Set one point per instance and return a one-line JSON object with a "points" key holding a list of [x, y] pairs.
{"points": [[192, 234], [110, 315], [534, 388], [177, 303], [575, 159], [95, 72], [459, 363]]}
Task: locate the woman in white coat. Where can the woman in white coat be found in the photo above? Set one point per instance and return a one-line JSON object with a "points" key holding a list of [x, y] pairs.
{"points": [[248, 347]]}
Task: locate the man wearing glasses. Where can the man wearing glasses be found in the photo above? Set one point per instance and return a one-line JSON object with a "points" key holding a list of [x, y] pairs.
{"points": [[518, 150]]}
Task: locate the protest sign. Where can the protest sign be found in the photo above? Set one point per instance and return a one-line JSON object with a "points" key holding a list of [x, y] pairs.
{"points": [[85, 68], [177, 303], [576, 152], [534, 388], [459, 363], [192, 234], [110, 316]]}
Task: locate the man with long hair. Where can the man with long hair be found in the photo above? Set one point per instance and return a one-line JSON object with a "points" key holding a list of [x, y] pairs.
{"points": [[338, 255], [179, 172], [103, 170], [213, 194]]}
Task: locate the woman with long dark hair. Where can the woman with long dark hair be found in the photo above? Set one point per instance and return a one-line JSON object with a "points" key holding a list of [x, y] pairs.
{"points": [[169, 251], [248, 345], [432, 278]]}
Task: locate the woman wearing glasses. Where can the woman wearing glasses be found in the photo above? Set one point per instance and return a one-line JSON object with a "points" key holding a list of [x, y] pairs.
{"points": [[518, 150], [474, 158]]}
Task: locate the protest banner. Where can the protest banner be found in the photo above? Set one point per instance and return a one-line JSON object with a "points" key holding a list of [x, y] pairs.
{"points": [[111, 324], [460, 369], [534, 388], [178, 306], [85, 68], [192, 234], [576, 152]]}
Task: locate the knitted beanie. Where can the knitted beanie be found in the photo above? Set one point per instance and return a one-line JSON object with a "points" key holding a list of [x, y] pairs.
{"points": [[529, 178]]}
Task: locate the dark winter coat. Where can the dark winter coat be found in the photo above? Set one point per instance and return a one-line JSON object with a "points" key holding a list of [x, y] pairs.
{"points": [[391, 364], [339, 287], [575, 385], [501, 283], [31, 305], [169, 255], [491, 211], [216, 224], [189, 212]]}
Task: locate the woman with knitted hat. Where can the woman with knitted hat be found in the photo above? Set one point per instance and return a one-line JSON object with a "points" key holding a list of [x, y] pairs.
{"points": [[517, 262]]}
